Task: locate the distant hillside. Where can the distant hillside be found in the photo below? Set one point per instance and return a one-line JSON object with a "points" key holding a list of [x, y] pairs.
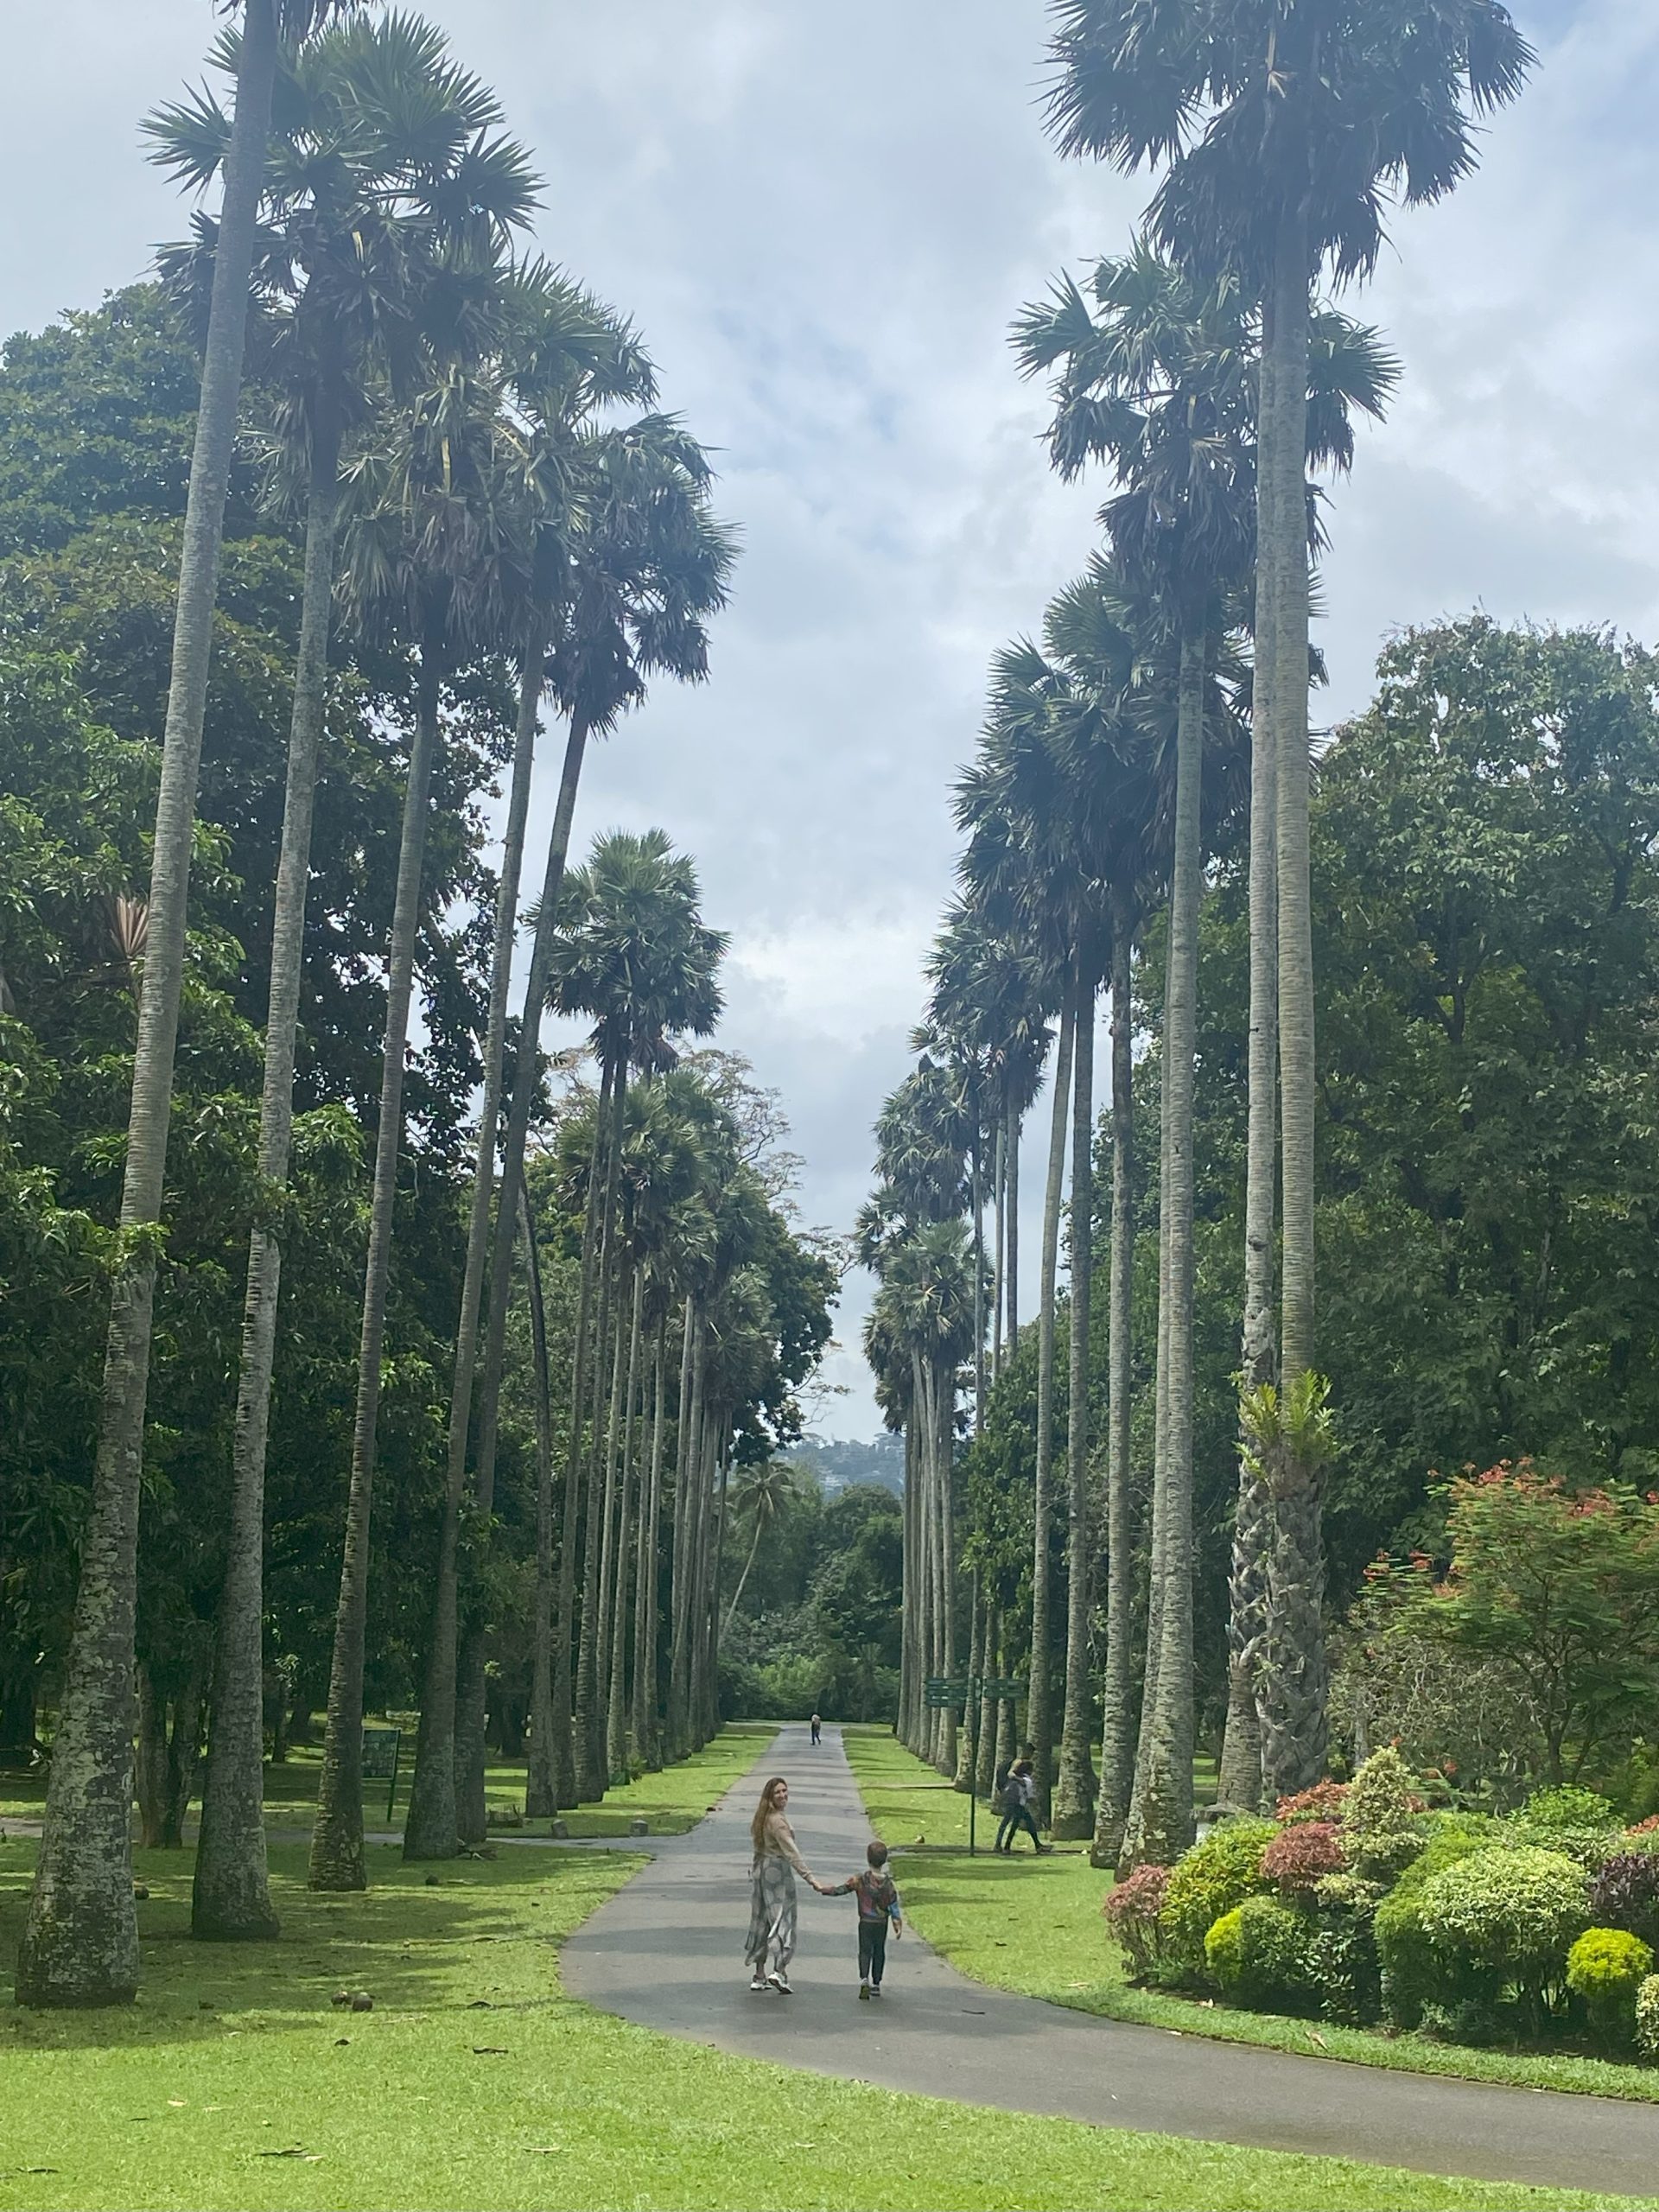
{"points": [[839, 1465]]}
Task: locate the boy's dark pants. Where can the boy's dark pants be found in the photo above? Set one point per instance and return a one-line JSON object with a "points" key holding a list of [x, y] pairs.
{"points": [[872, 1949]]}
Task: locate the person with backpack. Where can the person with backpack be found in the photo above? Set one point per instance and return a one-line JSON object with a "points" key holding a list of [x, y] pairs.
{"points": [[878, 1911], [1019, 1789]]}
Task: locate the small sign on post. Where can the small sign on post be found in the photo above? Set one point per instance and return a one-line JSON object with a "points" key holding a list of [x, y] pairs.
{"points": [[382, 1750], [939, 1691]]}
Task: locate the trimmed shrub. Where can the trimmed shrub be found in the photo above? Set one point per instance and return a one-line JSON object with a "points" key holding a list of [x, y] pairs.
{"points": [[1605, 1969], [1300, 1857], [1410, 1978], [1500, 1920], [1132, 1909], [1208, 1881], [1258, 1955], [1625, 1893], [1568, 1807], [1323, 1802], [1341, 1962], [1381, 1827], [1647, 2018]]}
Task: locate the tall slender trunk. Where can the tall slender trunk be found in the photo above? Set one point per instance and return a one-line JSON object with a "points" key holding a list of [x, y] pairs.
{"points": [[169, 1755], [1133, 1850], [1167, 1816], [685, 1535], [590, 1733], [1039, 1719], [541, 1785], [432, 1829], [576, 1459], [616, 1712], [609, 1509], [910, 1587], [647, 1728], [1117, 1694], [231, 1896], [999, 1239], [1074, 1793], [945, 1387], [337, 1839], [985, 1773], [1014, 1230], [81, 1938], [978, 1204], [964, 1774], [465, 1744], [1294, 1681], [710, 1707], [1239, 1781]]}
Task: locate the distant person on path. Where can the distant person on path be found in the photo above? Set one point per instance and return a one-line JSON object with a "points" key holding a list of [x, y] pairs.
{"points": [[771, 1889], [817, 1731], [878, 1911], [1018, 1792]]}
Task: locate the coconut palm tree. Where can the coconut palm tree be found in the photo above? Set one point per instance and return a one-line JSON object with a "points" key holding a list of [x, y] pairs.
{"points": [[761, 1498], [1281, 127], [80, 1939], [359, 220]]}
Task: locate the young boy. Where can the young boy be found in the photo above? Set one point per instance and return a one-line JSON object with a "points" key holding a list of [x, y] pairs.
{"points": [[878, 1910]]}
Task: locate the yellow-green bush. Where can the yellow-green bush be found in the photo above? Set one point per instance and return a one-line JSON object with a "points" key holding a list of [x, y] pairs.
{"points": [[1605, 1968]]}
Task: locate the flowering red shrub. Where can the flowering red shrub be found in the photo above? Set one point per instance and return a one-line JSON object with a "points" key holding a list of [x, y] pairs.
{"points": [[1132, 1910], [1644, 1828], [1300, 1856], [1323, 1802]]}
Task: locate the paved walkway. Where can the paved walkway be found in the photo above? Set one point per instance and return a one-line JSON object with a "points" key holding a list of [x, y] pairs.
{"points": [[667, 1951]]}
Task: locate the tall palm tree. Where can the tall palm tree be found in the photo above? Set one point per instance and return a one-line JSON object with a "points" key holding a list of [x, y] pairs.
{"points": [[358, 223], [761, 1498], [80, 1939], [431, 545], [644, 566], [1282, 126], [569, 358]]}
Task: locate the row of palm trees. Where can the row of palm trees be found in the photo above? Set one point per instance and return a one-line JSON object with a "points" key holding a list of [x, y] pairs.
{"points": [[1163, 713], [474, 444]]}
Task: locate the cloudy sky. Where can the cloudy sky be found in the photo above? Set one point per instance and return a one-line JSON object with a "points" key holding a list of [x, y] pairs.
{"points": [[822, 219]]}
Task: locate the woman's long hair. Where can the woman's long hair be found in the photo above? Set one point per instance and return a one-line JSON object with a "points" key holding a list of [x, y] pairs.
{"points": [[763, 1811]]}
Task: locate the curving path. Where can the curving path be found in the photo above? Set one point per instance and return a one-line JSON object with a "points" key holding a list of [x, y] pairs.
{"points": [[667, 1951]]}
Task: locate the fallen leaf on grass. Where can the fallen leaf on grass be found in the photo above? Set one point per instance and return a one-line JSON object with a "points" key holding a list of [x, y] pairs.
{"points": [[341, 2042], [490, 2050], [1314, 2036], [480, 2005], [37, 2170], [177, 2103], [551, 2150], [293, 2151]]}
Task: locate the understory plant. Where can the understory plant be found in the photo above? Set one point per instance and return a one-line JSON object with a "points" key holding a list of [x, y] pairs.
{"points": [[1605, 1969]]}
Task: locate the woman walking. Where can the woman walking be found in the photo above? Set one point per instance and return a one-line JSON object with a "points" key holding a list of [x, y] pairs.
{"points": [[771, 1889], [1017, 1795]]}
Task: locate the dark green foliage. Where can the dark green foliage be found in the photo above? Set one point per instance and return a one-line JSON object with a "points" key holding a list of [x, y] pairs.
{"points": [[819, 1623], [1212, 1879]]}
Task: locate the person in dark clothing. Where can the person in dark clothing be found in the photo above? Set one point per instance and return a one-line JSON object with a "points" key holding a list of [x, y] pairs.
{"points": [[878, 1911], [817, 1730], [1018, 1793]]}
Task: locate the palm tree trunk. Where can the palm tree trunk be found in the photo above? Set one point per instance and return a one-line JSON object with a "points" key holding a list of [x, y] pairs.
{"points": [[685, 1505], [231, 1896], [616, 1713], [910, 1584], [541, 1782], [1294, 1681], [469, 1691], [711, 1616], [999, 1240], [610, 1515], [1239, 1781], [1117, 1720], [1133, 1850], [1040, 1718], [1013, 1202], [1167, 1816], [432, 1829], [337, 1839], [81, 1938], [945, 1388], [964, 1774], [590, 1730], [647, 1732], [576, 1459], [1074, 1794], [978, 1203], [742, 1579], [991, 1656]]}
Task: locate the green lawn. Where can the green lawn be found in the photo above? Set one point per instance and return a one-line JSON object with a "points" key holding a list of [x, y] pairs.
{"points": [[475, 2081], [1034, 1925], [671, 1801]]}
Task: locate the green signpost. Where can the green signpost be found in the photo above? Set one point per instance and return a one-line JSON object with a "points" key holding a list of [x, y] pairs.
{"points": [[382, 1751], [940, 1691]]}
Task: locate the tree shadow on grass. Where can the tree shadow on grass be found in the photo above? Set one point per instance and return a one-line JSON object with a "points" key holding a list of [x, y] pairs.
{"points": [[479, 1933]]}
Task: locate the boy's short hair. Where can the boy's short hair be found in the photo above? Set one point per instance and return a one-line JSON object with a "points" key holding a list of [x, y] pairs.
{"points": [[876, 1852]]}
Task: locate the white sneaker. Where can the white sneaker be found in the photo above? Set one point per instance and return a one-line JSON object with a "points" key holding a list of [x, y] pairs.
{"points": [[758, 1981], [780, 1982]]}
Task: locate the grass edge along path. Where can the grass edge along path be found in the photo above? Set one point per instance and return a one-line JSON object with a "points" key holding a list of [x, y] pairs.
{"points": [[1034, 1926], [476, 2082]]}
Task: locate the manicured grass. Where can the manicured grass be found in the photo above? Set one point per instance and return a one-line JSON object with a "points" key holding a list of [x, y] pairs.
{"points": [[1034, 1925], [475, 2081], [673, 1800]]}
